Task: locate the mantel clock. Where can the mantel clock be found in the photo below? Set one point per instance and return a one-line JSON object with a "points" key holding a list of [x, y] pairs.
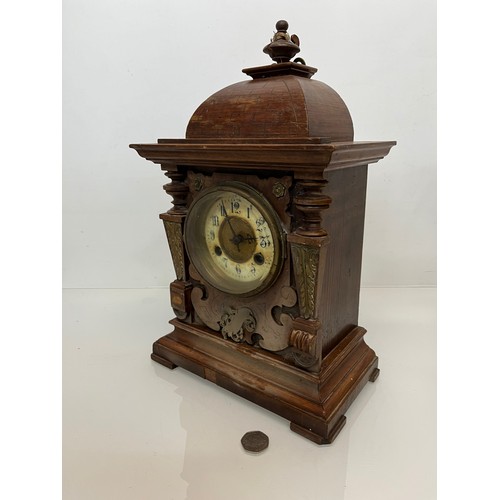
{"points": [[266, 233]]}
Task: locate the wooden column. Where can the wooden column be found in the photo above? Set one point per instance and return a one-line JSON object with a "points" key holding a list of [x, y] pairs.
{"points": [[173, 221]]}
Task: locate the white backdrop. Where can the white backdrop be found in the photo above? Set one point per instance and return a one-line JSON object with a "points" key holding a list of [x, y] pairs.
{"points": [[135, 71]]}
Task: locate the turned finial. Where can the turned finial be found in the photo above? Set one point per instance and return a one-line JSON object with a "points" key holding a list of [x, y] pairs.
{"points": [[283, 46]]}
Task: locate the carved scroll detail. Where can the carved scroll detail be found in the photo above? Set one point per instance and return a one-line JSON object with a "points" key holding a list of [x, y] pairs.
{"points": [[306, 264], [303, 346], [271, 314], [303, 341], [174, 236], [236, 324]]}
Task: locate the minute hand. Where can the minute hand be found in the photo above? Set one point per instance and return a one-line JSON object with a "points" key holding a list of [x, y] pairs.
{"points": [[230, 226]]}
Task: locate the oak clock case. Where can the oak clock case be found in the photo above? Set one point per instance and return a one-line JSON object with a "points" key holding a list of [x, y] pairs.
{"points": [[266, 230]]}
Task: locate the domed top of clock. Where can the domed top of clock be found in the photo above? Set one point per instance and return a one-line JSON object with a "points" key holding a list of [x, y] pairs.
{"points": [[281, 101]]}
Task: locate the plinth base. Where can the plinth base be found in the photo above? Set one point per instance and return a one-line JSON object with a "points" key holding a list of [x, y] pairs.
{"points": [[314, 403]]}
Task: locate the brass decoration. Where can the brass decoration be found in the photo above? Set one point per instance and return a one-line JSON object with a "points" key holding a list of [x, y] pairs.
{"points": [[238, 324], [198, 182], [305, 263], [279, 190], [174, 236]]}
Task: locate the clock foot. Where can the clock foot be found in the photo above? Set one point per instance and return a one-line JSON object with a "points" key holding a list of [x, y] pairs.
{"points": [[374, 375], [317, 438], [163, 361]]}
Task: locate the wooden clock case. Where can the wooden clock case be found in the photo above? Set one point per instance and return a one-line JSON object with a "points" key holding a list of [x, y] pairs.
{"points": [[296, 348]]}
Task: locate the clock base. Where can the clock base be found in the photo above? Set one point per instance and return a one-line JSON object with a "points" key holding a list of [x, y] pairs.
{"points": [[314, 403], [307, 433], [163, 361]]}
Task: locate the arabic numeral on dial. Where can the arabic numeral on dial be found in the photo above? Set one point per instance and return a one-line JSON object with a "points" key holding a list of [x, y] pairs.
{"points": [[260, 221], [264, 242], [212, 234], [215, 220], [238, 270]]}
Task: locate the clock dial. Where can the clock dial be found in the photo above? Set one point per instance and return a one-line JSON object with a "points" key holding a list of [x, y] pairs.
{"points": [[238, 238], [234, 239]]}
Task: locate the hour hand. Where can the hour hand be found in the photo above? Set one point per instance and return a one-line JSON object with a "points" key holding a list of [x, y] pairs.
{"points": [[249, 237], [236, 240]]}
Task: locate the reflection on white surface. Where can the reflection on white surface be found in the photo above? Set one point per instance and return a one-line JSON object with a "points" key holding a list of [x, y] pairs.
{"points": [[216, 465], [134, 429]]}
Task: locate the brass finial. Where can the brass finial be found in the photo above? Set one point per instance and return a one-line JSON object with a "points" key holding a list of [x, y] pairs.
{"points": [[283, 46]]}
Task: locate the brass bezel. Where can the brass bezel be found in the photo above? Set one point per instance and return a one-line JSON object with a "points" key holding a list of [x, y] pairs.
{"points": [[202, 261]]}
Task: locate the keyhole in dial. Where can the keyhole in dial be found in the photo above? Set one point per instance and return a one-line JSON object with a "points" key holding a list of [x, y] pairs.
{"points": [[258, 258]]}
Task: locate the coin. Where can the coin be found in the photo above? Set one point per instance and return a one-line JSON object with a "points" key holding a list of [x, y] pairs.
{"points": [[255, 441]]}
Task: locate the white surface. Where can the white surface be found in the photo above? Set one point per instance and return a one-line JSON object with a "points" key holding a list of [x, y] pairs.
{"points": [[136, 71], [135, 430]]}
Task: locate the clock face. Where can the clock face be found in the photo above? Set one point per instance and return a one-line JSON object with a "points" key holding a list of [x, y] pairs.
{"points": [[234, 239]]}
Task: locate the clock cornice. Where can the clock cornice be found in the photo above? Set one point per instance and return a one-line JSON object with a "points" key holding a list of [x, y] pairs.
{"points": [[300, 157]]}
